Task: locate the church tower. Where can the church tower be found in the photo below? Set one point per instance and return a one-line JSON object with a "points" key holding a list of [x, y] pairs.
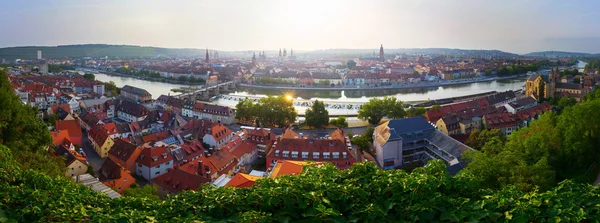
{"points": [[284, 53], [381, 57], [254, 59], [207, 59]]}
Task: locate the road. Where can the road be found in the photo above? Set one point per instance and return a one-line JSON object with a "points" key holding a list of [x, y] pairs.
{"points": [[92, 157]]}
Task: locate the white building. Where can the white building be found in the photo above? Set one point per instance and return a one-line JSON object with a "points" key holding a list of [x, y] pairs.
{"points": [[153, 162]]}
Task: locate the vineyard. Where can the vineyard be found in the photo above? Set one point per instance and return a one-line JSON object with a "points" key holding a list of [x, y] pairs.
{"points": [[363, 193]]}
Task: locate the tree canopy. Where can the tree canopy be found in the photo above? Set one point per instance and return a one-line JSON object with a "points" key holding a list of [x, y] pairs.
{"points": [[89, 76], [268, 111], [24, 133], [317, 116], [340, 122], [375, 109], [149, 191]]}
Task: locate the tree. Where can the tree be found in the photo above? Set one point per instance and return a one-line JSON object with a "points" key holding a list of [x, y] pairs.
{"points": [[362, 143], [566, 102], [52, 119], [436, 107], [576, 80], [182, 78], [269, 111], [340, 122], [369, 133], [317, 116], [418, 111], [541, 93], [89, 76], [149, 191], [375, 109], [478, 138], [351, 64]]}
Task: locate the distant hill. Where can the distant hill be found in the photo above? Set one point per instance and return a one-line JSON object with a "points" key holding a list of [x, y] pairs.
{"points": [[94, 50], [560, 54], [414, 51]]}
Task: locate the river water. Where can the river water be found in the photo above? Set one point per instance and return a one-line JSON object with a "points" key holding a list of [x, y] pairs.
{"points": [[332, 97]]}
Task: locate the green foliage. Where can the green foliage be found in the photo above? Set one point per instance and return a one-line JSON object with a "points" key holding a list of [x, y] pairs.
{"points": [[418, 111], [54, 68], [436, 107], [551, 149], [275, 81], [573, 72], [362, 142], [24, 133], [363, 193], [89, 76], [182, 78], [375, 109], [369, 133], [149, 191], [340, 122], [517, 69], [351, 64], [478, 138], [269, 111], [317, 116], [112, 88], [52, 119]]}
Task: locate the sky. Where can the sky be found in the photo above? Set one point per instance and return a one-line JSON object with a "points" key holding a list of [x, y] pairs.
{"points": [[518, 26]]}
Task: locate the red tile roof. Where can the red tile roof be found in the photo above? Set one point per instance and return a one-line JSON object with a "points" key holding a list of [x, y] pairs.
{"points": [[111, 128], [58, 137], [98, 134], [179, 180], [70, 125], [154, 156], [242, 180]]}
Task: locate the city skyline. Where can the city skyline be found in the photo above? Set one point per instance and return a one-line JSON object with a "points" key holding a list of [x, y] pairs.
{"points": [[511, 26]]}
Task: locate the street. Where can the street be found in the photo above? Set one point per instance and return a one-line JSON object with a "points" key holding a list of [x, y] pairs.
{"points": [[92, 157]]}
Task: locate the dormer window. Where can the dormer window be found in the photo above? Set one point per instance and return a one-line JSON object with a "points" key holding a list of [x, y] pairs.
{"points": [[295, 154], [344, 155], [141, 157], [304, 155], [276, 152], [155, 158], [164, 155], [336, 155], [315, 155], [326, 155], [286, 153]]}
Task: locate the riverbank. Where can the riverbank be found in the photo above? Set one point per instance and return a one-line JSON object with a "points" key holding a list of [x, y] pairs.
{"points": [[160, 80], [401, 86]]}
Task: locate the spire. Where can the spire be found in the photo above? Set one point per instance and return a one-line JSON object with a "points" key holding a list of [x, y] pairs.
{"points": [[207, 59], [291, 52], [381, 55], [284, 52], [254, 58], [279, 52]]}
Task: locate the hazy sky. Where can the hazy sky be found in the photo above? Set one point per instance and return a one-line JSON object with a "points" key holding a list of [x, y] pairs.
{"points": [[518, 26]]}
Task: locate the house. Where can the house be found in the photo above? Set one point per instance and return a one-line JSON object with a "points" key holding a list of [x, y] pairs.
{"points": [[520, 104], [59, 136], [244, 151], [212, 165], [411, 142], [188, 152], [131, 112], [135, 94], [88, 120], [111, 130], [505, 122], [288, 167], [335, 149], [217, 113], [75, 163], [72, 127], [115, 176], [175, 181], [100, 140], [242, 180], [124, 130], [218, 135], [502, 98], [153, 162], [125, 154]]}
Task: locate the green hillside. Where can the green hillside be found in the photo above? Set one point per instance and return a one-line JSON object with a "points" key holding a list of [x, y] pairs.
{"points": [[93, 50]]}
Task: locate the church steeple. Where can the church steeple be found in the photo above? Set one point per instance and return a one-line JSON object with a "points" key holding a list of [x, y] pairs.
{"points": [[284, 52], [381, 55], [207, 59], [279, 52], [254, 59]]}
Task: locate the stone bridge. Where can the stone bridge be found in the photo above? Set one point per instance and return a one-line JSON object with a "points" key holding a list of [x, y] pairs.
{"points": [[206, 92]]}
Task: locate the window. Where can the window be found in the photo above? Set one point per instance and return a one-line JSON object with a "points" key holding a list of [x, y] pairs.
{"points": [[336, 155], [80, 167], [326, 155], [344, 155], [276, 152], [295, 154], [304, 155], [286, 153], [158, 166], [125, 179], [157, 173], [140, 171], [72, 168], [315, 155], [139, 165]]}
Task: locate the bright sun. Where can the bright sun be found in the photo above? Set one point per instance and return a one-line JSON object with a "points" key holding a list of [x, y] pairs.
{"points": [[289, 97]]}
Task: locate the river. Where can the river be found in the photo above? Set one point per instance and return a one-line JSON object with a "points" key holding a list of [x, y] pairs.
{"points": [[353, 97]]}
